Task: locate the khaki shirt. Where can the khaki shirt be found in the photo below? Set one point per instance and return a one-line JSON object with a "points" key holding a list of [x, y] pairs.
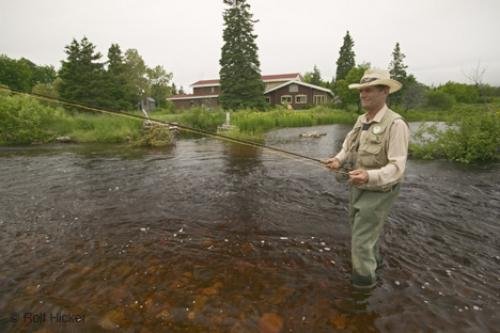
{"points": [[397, 153]]}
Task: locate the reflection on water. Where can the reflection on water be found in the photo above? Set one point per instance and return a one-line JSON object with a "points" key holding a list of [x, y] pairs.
{"points": [[215, 237]]}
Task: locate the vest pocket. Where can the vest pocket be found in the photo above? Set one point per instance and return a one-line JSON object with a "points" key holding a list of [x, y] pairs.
{"points": [[369, 154], [372, 148]]}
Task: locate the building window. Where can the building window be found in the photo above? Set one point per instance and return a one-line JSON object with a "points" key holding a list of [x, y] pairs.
{"points": [[293, 88], [320, 99], [268, 99], [286, 99], [212, 89], [300, 99]]}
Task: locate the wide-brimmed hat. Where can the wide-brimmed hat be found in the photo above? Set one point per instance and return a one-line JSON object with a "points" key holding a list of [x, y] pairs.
{"points": [[375, 77]]}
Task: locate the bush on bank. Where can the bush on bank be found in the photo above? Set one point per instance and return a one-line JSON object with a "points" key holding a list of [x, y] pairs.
{"points": [[470, 137], [24, 120]]}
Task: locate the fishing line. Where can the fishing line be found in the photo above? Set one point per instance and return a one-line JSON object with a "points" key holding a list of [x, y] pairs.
{"points": [[180, 126]]}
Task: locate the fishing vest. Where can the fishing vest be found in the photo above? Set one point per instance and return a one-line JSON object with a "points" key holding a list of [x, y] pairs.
{"points": [[370, 152]]}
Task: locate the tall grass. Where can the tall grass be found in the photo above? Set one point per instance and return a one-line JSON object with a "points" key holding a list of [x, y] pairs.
{"points": [[258, 122], [252, 124], [84, 127], [198, 118]]}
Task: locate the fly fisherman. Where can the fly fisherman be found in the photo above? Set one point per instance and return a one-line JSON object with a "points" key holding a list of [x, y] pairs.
{"points": [[374, 153]]}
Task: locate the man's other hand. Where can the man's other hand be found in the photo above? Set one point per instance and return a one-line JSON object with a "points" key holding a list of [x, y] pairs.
{"points": [[358, 177]]}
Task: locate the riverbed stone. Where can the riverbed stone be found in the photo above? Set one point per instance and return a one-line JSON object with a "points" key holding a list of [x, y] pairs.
{"points": [[270, 323]]}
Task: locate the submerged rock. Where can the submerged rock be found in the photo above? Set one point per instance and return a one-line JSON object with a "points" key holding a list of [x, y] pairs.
{"points": [[270, 323], [64, 139], [113, 319], [312, 135]]}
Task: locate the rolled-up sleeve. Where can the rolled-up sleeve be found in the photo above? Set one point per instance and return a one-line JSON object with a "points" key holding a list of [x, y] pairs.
{"points": [[397, 153]]}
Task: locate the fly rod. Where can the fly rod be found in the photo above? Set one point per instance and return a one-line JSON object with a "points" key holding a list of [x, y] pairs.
{"points": [[180, 126]]}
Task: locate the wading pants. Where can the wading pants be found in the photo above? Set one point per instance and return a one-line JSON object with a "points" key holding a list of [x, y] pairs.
{"points": [[367, 215]]}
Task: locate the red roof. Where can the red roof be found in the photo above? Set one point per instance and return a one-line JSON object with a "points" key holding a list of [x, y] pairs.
{"points": [[288, 76], [185, 96]]}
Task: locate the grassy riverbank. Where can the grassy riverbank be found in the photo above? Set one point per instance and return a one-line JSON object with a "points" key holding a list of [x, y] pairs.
{"points": [[24, 120], [472, 137]]}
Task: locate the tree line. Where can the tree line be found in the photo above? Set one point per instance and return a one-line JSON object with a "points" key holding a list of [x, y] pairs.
{"points": [[119, 82], [243, 88], [413, 94], [123, 80]]}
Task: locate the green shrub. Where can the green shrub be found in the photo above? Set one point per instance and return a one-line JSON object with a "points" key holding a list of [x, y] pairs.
{"points": [[463, 93], [24, 120], [439, 99], [471, 137]]}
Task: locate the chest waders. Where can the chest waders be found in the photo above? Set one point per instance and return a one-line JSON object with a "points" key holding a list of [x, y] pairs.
{"points": [[369, 205]]}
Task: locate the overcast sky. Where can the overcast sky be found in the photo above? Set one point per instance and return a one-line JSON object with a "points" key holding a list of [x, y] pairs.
{"points": [[442, 39]]}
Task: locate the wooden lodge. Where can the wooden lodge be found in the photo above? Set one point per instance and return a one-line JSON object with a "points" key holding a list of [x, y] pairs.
{"points": [[284, 89]]}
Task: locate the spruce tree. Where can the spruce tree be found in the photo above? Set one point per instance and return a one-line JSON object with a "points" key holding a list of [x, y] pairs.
{"points": [[346, 61], [397, 68], [240, 78], [116, 80], [82, 75]]}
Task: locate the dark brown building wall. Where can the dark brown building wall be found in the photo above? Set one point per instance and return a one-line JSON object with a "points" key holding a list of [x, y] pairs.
{"points": [[275, 96], [215, 90]]}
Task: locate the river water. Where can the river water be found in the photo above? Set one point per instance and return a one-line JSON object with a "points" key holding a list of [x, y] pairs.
{"points": [[208, 236]]}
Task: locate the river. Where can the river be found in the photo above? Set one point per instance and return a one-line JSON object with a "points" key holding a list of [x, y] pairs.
{"points": [[209, 236]]}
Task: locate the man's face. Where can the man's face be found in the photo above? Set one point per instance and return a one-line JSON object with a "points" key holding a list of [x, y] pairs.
{"points": [[373, 98]]}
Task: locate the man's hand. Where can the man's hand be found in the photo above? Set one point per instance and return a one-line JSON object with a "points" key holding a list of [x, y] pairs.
{"points": [[332, 163], [358, 177]]}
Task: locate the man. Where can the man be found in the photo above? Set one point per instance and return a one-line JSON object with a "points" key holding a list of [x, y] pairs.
{"points": [[374, 153]]}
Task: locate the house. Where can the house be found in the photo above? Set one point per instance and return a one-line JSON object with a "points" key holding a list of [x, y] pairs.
{"points": [[286, 89]]}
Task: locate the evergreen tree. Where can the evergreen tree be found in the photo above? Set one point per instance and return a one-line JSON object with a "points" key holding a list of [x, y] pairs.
{"points": [[240, 78], [346, 61], [116, 80], [82, 75], [397, 68]]}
